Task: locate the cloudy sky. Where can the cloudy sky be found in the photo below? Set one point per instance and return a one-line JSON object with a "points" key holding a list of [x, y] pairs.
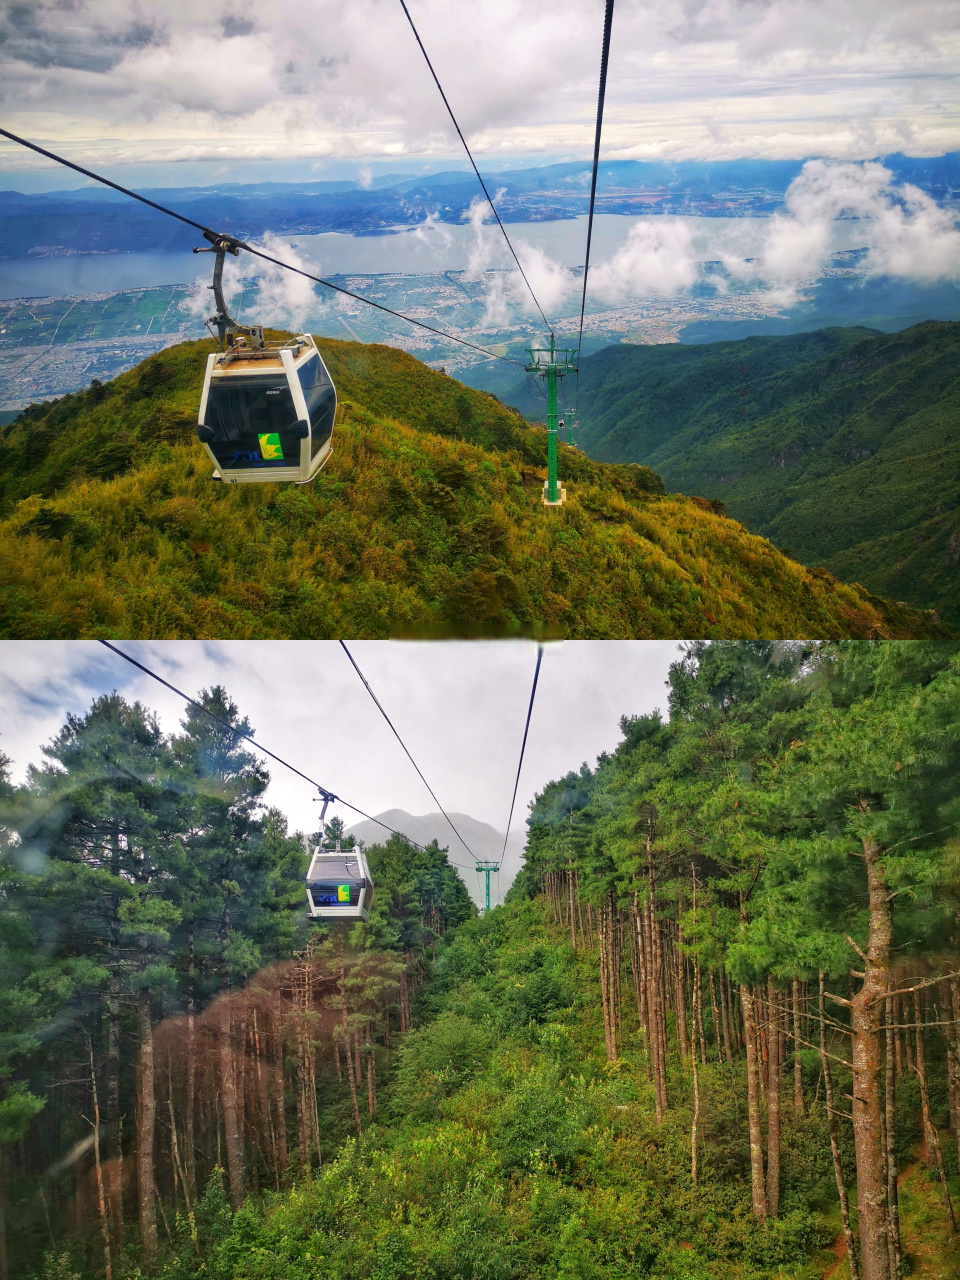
{"points": [[459, 707], [172, 92]]}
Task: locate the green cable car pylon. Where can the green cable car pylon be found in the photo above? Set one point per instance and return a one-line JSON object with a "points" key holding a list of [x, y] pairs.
{"points": [[552, 363], [486, 868]]}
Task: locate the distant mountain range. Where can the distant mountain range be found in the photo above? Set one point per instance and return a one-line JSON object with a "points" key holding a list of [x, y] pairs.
{"points": [[97, 219], [842, 445], [484, 841]]}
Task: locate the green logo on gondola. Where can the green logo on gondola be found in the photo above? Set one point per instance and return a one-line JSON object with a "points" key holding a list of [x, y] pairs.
{"points": [[270, 447], [343, 893]]}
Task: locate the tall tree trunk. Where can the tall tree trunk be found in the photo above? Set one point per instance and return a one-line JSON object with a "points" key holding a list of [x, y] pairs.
{"points": [[797, 1065], [263, 1091], [98, 1168], [680, 986], [715, 1014], [851, 1243], [146, 1125], [228, 1095], [190, 1084], [695, 1125], [655, 1008], [114, 1137], [758, 1187], [773, 1101], [932, 1137], [279, 1090], [351, 1076], [371, 1075], [725, 1016], [953, 1060], [894, 1247], [573, 917], [866, 1011]]}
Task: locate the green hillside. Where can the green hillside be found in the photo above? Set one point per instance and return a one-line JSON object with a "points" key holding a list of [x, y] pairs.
{"points": [[842, 445], [427, 520], [632, 1070]]}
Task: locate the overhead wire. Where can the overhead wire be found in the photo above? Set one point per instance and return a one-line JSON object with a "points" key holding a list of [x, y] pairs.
{"points": [[248, 738], [257, 253], [523, 747], [601, 94], [382, 710], [466, 148]]}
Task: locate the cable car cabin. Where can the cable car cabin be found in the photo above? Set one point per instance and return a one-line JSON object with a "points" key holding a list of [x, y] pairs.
{"points": [[339, 885], [267, 413]]}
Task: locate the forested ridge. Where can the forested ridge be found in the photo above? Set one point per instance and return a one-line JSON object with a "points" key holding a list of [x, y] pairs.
{"points": [[711, 1033], [426, 520], [840, 445]]}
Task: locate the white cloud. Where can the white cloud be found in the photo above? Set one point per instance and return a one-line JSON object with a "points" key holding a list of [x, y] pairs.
{"points": [[168, 80], [830, 205], [657, 259], [460, 707]]}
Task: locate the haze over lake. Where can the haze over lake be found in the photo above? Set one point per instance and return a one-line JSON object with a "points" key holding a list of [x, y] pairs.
{"points": [[427, 248]]}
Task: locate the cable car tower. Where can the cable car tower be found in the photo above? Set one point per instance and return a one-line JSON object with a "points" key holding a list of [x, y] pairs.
{"points": [[486, 868], [552, 363]]}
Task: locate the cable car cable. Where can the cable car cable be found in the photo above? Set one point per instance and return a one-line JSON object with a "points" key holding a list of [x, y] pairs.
{"points": [[523, 747], [380, 708], [213, 237], [604, 60], [247, 738], [473, 162]]}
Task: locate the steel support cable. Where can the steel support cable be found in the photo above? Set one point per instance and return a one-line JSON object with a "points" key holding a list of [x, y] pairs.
{"points": [[257, 253], [493, 207], [380, 708], [601, 94], [247, 738], [523, 747]]}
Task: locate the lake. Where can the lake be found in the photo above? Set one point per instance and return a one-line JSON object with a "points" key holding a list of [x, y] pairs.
{"points": [[421, 249]]}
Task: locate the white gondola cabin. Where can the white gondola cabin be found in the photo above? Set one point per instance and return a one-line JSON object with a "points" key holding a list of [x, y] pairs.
{"points": [[267, 413], [339, 886]]}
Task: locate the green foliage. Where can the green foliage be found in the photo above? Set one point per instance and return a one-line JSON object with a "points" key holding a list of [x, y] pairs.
{"points": [[426, 520], [516, 1156], [840, 444]]}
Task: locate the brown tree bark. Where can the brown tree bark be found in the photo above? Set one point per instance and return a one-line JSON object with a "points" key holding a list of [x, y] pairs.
{"points": [[655, 1008], [953, 1060], [98, 1167], [894, 1246], [866, 1012], [773, 1101], [680, 988], [263, 1092], [757, 1184], [279, 1090], [695, 1124], [852, 1256], [146, 1125], [231, 1114]]}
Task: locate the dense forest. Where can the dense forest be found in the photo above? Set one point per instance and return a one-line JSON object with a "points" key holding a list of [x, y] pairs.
{"points": [[427, 520], [165, 1009], [713, 1031], [840, 445]]}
